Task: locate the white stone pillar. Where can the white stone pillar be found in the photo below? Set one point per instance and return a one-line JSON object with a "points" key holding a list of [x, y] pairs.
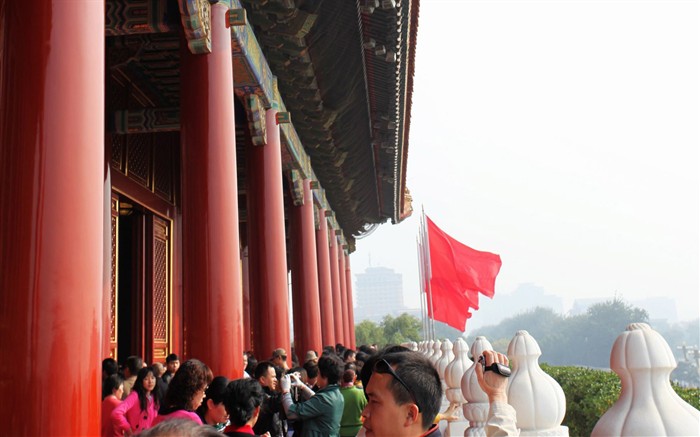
{"points": [[476, 410], [453, 379], [437, 353], [538, 399], [648, 405]]}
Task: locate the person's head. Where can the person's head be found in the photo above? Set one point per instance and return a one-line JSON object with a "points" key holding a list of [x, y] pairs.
{"points": [[109, 367], [366, 371], [265, 374], [172, 363], [349, 356], [180, 428], [113, 385], [145, 386], [311, 372], [329, 370], [132, 365], [302, 373], [403, 394], [158, 369], [187, 388], [349, 377], [279, 358], [242, 401], [212, 410], [311, 356], [252, 363]]}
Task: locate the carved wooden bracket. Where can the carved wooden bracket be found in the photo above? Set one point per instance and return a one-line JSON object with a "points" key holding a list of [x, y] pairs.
{"points": [[196, 20], [236, 17], [256, 119], [297, 188]]}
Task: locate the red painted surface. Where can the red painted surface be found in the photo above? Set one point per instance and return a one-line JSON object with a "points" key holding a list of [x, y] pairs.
{"points": [[307, 309], [351, 301], [343, 296], [267, 250], [51, 222], [245, 267], [335, 288], [211, 270], [325, 289]]}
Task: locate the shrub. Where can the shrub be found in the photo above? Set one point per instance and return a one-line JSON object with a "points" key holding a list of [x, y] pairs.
{"points": [[590, 393]]}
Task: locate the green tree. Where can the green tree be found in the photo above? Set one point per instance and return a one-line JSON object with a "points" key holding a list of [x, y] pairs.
{"points": [[401, 329], [367, 332]]}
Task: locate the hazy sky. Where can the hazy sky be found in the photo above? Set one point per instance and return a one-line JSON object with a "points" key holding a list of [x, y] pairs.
{"points": [[562, 135]]}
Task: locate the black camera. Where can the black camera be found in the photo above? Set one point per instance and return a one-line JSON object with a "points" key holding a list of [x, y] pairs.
{"points": [[499, 368]]}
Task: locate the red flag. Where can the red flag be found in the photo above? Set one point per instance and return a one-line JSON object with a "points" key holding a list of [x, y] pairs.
{"points": [[457, 274]]}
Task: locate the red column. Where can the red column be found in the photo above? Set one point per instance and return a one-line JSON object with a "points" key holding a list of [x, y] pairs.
{"points": [[351, 302], [343, 295], [325, 289], [51, 221], [335, 287], [246, 301], [211, 269], [305, 300], [267, 250]]}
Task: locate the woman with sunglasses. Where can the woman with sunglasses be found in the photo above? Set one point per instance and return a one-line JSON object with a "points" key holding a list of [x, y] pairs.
{"points": [[186, 392]]}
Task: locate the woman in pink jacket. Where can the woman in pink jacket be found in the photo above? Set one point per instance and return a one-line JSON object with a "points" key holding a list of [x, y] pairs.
{"points": [[138, 410]]}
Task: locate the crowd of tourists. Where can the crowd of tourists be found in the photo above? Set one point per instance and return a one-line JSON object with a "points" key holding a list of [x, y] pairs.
{"points": [[342, 392]]}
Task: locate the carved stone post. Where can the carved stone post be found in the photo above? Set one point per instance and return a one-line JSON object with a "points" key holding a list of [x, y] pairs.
{"points": [[537, 398], [453, 379], [476, 410], [647, 404]]}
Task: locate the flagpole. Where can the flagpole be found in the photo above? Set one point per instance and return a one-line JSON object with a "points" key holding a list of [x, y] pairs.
{"points": [[426, 246], [420, 286]]}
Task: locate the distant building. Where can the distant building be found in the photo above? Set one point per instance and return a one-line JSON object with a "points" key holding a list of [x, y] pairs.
{"points": [[379, 293]]}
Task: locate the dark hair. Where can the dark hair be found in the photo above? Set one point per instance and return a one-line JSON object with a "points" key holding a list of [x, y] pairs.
{"points": [[242, 397], [330, 367], [192, 376], [348, 376], [252, 362], [417, 372], [261, 369], [311, 369], [347, 353], [133, 363], [171, 357], [138, 388], [215, 392], [368, 367], [110, 366], [111, 383]]}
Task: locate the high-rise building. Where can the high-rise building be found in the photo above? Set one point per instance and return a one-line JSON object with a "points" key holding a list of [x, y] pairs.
{"points": [[379, 293]]}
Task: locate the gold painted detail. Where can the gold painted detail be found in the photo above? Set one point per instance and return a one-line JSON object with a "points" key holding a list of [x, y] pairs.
{"points": [[147, 120], [131, 17], [196, 20], [160, 281]]}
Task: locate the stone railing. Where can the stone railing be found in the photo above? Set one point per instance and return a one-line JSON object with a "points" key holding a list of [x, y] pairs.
{"points": [[640, 357]]}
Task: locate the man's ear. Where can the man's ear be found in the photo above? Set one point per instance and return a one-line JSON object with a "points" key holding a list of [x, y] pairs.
{"points": [[210, 404], [413, 416]]}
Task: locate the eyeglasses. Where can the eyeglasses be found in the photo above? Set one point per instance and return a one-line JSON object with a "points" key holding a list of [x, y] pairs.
{"points": [[383, 366]]}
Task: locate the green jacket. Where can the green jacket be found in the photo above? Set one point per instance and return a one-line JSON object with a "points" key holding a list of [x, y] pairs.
{"points": [[321, 413], [355, 402]]}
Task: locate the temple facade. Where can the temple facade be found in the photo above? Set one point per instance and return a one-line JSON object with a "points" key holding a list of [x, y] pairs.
{"points": [[173, 169]]}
